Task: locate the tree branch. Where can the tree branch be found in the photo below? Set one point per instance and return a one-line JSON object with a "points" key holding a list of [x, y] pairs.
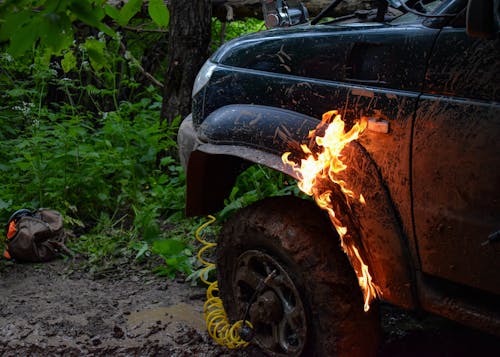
{"points": [[139, 66], [140, 29]]}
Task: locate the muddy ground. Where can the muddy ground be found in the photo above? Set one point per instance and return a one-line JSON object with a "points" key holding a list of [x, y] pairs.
{"points": [[56, 309]]}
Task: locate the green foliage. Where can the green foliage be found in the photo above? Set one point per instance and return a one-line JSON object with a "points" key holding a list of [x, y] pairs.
{"points": [[47, 24], [81, 133], [176, 256], [255, 184], [96, 51], [233, 29], [156, 9], [159, 12], [64, 157], [68, 62], [128, 11], [83, 137]]}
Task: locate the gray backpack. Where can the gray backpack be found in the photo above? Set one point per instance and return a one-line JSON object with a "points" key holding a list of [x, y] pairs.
{"points": [[35, 236]]}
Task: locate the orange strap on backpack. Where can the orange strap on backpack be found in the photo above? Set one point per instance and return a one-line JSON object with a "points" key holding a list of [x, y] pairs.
{"points": [[12, 229]]}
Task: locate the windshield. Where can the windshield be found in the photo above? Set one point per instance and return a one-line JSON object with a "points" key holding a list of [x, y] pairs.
{"points": [[412, 17], [390, 11]]}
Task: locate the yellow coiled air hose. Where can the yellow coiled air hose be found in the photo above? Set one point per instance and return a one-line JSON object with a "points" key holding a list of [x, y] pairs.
{"points": [[219, 328]]}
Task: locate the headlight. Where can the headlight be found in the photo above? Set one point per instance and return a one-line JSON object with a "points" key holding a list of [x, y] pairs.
{"points": [[203, 76]]}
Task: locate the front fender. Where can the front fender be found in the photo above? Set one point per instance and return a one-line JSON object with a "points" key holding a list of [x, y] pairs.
{"points": [[268, 129], [236, 135], [229, 139]]}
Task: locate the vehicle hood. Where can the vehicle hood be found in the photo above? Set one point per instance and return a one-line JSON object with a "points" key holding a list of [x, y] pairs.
{"points": [[306, 51]]}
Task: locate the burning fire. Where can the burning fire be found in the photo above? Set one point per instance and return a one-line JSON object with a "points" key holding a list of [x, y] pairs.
{"points": [[325, 165]]}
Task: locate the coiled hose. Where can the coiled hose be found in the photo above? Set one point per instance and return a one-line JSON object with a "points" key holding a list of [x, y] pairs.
{"points": [[219, 328]]}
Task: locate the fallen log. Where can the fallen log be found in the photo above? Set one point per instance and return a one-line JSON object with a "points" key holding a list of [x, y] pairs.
{"points": [[227, 10], [240, 9]]}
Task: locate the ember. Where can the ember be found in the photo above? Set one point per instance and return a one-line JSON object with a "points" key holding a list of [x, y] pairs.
{"points": [[326, 164]]}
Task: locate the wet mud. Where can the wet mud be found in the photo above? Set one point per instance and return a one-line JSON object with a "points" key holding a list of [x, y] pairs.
{"points": [[48, 309]]}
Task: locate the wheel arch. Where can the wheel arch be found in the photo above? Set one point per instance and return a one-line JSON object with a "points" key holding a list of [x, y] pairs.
{"points": [[212, 171]]}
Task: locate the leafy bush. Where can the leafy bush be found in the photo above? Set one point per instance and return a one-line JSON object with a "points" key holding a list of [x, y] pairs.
{"points": [[176, 255], [233, 29], [256, 183], [85, 140], [81, 133], [51, 25]]}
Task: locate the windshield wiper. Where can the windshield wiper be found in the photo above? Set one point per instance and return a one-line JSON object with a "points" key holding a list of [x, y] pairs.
{"points": [[325, 11], [382, 7], [421, 10]]}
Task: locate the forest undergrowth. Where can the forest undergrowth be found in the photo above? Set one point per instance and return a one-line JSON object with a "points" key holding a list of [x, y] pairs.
{"points": [[81, 133]]}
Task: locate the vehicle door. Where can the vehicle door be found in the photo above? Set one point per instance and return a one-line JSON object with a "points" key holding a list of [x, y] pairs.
{"points": [[386, 72], [456, 161]]}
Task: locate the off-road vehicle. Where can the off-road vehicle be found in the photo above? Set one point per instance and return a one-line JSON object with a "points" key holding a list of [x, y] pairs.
{"points": [[426, 78]]}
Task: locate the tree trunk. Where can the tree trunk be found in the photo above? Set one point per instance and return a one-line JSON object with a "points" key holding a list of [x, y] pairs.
{"points": [[188, 48]]}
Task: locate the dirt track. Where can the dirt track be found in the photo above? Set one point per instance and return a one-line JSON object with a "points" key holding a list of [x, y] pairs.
{"points": [[46, 309]]}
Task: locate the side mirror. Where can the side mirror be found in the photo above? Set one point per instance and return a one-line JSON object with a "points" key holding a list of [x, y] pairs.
{"points": [[483, 18], [283, 13]]}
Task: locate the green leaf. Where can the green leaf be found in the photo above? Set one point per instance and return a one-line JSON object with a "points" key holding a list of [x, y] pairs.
{"points": [[5, 205], [14, 22], [90, 15], [151, 231], [167, 160], [159, 12], [86, 13], [164, 271], [68, 62], [55, 32], [143, 249], [112, 12], [168, 248], [16, 92], [23, 39], [52, 6], [106, 29], [96, 51], [131, 8]]}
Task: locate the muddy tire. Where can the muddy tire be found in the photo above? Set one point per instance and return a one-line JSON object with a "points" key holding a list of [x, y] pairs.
{"points": [[313, 305]]}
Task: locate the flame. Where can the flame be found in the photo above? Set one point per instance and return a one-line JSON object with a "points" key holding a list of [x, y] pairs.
{"points": [[326, 164]]}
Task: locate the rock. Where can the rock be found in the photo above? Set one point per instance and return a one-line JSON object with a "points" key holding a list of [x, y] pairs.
{"points": [[118, 332]]}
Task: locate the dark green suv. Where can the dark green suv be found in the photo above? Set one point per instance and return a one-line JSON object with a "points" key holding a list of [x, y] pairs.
{"points": [[428, 165]]}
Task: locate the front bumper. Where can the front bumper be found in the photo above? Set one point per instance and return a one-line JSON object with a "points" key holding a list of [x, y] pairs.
{"points": [[187, 140]]}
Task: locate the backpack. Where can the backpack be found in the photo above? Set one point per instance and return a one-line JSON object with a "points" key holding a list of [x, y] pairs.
{"points": [[35, 236]]}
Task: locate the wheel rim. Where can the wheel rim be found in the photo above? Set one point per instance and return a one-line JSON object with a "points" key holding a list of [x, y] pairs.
{"points": [[277, 313]]}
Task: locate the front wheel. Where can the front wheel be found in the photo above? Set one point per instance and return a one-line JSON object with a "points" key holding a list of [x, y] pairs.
{"points": [[311, 303]]}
